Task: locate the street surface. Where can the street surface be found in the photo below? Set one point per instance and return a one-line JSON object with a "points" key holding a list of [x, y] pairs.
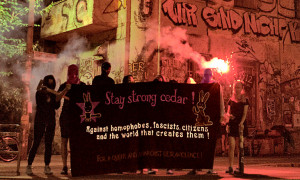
{"points": [[271, 167]]}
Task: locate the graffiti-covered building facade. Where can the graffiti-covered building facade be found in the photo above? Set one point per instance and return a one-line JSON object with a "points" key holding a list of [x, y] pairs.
{"points": [[259, 39]]}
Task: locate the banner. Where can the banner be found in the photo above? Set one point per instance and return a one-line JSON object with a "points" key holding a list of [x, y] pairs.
{"points": [[127, 127]]}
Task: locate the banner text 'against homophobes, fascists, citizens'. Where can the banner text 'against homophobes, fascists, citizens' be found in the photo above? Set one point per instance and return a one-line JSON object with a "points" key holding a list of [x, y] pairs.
{"points": [[143, 125]]}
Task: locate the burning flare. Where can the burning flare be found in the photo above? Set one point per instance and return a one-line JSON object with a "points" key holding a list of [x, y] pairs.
{"points": [[220, 65]]}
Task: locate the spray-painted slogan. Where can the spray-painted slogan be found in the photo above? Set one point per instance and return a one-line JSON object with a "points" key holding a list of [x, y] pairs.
{"points": [[133, 126], [181, 13], [262, 25]]}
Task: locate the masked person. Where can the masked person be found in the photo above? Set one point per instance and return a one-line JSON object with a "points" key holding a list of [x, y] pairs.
{"points": [[64, 119], [44, 123]]}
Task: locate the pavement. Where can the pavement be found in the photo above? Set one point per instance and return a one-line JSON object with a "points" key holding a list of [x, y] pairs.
{"points": [[267, 167]]}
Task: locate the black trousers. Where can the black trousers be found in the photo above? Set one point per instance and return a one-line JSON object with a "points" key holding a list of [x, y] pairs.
{"points": [[39, 130]]}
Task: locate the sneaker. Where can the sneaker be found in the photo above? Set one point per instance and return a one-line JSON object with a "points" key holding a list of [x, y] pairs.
{"points": [[192, 172], [151, 172], [211, 171], [47, 170], [230, 170], [169, 171], [64, 171], [29, 170]]}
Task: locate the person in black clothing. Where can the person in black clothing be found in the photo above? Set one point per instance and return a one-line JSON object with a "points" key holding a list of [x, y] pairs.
{"points": [[44, 123], [208, 78], [159, 79], [236, 112], [103, 79], [64, 119]]}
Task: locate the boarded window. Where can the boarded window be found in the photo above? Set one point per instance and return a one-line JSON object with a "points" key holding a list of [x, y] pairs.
{"points": [[251, 4]]}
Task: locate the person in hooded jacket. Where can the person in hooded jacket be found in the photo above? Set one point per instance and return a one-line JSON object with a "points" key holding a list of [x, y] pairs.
{"points": [[44, 123]]}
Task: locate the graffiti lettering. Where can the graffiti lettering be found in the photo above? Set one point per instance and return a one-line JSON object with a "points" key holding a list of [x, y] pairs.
{"points": [[267, 6], [137, 66], [81, 10], [295, 34], [146, 8], [180, 13], [145, 11], [230, 20], [262, 25], [285, 8], [136, 69], [66, 7]]}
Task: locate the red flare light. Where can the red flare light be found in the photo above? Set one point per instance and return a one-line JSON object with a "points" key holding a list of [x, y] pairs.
{"points": [[219, 64]]}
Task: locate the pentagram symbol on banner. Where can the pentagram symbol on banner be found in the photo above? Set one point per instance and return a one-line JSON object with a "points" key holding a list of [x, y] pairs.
{"points": [[87, 108]]}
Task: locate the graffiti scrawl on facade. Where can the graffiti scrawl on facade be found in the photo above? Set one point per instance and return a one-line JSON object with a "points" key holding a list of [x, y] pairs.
{"points": [[244, 49], [180, 13], [262, 25], [146, 7], [136, 69], [285, 8], [65, 16], [86, 70], [118, 75], [142, 13], [172, 68]]}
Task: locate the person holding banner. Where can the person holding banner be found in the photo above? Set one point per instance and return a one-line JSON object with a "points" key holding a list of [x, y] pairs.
{"points": [[190, 80], [236, 113], [207, 78], [159, 78], [44, 123], [103, 79], [64, 119]]}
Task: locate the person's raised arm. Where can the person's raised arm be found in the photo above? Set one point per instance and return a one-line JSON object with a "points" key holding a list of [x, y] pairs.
{"points": [[63, 92]]}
